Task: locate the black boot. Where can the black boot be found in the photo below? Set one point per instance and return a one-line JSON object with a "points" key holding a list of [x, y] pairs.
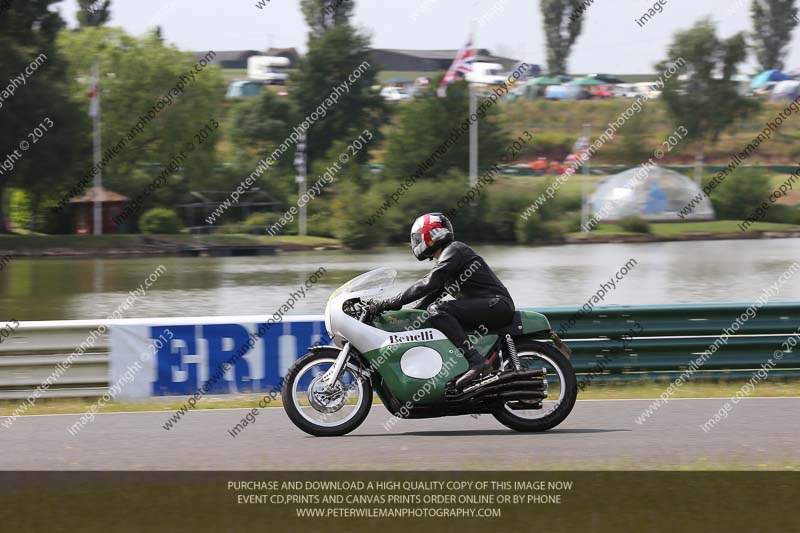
{"points": [[476, 369]]}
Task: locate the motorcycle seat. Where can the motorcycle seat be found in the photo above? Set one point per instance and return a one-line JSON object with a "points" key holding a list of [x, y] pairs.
{"points": [[512, 328]]}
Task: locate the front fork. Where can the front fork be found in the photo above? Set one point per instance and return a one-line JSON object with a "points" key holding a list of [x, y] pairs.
{"points": [[330, 377]]}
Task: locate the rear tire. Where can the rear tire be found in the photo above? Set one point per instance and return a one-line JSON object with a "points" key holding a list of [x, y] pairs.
{"points": [[294, 414], [562, 410]]}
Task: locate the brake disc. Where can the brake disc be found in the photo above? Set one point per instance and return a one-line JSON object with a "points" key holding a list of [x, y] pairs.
{"points": [[326, 401]]}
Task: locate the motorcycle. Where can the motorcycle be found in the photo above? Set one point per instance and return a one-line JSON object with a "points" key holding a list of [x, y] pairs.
{"points": [[413, 368]]}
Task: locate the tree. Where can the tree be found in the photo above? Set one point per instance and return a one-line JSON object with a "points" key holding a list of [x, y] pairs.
{"points": [[340, 58], [93, 12], [259, 124], [139, 76], [773, 22], [28, 33], [257, 127], [323, 15], [704, 99], [562, 26], [429, 132]]}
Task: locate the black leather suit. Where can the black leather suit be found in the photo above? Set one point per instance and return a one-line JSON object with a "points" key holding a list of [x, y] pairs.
{"points": [[481, 298]]}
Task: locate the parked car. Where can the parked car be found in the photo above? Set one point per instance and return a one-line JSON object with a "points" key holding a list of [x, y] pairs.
{"points": [[603, 91], [566, 92], [244, 89], [624, 90], [394, 94], [649, 89]]}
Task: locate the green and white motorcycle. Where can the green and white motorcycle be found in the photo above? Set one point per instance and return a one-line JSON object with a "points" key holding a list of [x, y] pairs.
{"points": [[413, 368]]}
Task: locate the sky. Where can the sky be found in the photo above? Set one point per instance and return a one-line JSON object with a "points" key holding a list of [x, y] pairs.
{"points": [[611, 42]]}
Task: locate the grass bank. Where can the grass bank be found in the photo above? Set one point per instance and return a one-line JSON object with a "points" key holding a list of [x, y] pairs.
{"points": [[83, 245]]}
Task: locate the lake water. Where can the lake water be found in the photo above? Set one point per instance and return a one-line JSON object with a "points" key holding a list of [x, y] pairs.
{"points": [[550, 276]]}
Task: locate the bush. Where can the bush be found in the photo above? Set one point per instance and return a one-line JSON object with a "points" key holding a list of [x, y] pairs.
{"points": [[781, 213], [534, 229], [573, 222], [20, 208], [740, 194], [257, 224], [351, 211], [501, 216], [635, 224], [428, 196], [320, 225], [571, 202], [160, 220]]}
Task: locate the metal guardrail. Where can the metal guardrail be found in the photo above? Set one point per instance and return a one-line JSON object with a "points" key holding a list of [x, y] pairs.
{"points": [[666, 340], [31, 353], [663, 345]]}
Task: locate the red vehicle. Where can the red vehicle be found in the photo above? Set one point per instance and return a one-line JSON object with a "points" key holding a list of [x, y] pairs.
{"points": [[602, 91]]}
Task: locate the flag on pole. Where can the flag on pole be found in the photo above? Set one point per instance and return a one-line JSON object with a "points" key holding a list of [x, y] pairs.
{"points": [[94, 91], [461, 65], [576, 156]]}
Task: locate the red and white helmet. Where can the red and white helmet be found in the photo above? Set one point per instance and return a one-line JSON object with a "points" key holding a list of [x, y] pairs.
{"points": [[429, 233]]}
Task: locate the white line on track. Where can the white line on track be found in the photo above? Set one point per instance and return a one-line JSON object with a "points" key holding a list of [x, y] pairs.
{"points": [[279, 407]]}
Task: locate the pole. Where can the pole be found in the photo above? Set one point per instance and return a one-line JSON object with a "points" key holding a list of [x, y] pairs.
{"points": [[300, 165], [585, 185], [698, 168], [98, 177], [473, 138]]}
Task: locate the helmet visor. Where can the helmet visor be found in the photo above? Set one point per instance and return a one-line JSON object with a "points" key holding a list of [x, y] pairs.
{"points": [[418, 245]]}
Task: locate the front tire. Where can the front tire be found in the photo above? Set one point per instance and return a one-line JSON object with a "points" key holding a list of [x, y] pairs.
{"points": [[318, 418], [535, 354]]}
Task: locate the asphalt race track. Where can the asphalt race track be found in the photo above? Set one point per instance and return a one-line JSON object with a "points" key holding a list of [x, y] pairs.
{"points": [[760, 433]]}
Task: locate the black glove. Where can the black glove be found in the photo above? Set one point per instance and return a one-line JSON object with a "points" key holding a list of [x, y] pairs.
{"points": [[376, 307]]}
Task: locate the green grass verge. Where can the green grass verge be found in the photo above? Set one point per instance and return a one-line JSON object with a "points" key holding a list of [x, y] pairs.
{"points": [[597, 391], [76, 242], [676, 229]]}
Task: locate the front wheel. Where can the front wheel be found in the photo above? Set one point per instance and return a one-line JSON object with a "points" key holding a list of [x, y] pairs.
{"points": [[320, 410], [562, 390]]}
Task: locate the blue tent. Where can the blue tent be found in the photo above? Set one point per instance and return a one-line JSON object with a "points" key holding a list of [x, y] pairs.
{"points": [[766, 77]]}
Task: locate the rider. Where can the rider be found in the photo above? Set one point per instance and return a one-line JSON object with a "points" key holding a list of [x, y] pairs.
{"points": [[481, 298]]}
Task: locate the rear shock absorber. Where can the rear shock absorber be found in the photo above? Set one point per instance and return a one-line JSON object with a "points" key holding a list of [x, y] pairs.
{"points": [[512, 352]]}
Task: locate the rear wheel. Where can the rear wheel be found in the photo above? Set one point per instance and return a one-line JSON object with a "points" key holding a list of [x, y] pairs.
{"points": [[562, 390], [320, 410]]}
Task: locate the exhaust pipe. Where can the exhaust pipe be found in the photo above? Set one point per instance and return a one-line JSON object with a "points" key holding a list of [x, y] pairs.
{"points": [[491, 391], [535, 374], [521, 395]]}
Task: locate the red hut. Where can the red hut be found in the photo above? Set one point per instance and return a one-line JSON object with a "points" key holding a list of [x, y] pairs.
{"points": [[83, 210]]}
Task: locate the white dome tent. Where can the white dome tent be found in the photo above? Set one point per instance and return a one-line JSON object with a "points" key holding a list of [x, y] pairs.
{"points": [[657, 195]]}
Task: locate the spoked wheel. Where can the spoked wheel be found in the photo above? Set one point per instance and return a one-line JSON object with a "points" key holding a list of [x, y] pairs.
{"points": [[320, 410], [562, 390]]}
